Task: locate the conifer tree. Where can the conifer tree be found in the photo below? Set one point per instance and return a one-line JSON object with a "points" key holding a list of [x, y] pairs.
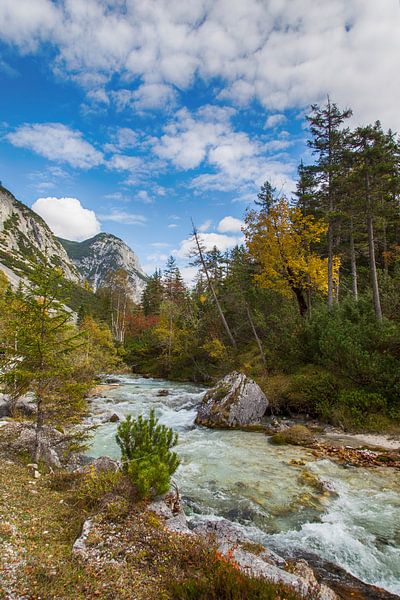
{"points": [[327, 142]]}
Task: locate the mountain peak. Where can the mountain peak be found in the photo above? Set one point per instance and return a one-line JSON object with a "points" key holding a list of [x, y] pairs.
{"points": [[96, 257]]}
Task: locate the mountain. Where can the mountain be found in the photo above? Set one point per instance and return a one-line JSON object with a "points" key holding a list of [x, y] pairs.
{"points": [[104, 253], [23, 236]]}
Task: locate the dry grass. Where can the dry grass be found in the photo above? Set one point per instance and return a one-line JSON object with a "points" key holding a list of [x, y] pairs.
{"points": [[129, 552]]}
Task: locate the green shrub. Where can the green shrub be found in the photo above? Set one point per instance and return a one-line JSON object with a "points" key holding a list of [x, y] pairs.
{"points": [[310, 390], [349, 342], [359, 410], [297, 435], [97, 484], [146, 454]]}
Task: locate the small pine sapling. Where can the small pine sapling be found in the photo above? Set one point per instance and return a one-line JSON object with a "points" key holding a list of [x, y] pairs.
{"points": [[146, 453]]}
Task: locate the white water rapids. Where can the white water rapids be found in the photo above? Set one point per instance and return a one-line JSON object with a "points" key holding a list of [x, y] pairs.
{"points": [[240, 476]]}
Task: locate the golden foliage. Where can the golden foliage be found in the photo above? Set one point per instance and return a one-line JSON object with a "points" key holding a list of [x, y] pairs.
{"points": [[282, 241]]}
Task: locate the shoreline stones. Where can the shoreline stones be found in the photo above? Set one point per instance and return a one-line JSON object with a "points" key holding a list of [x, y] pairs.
{"points": [[235, 401]]}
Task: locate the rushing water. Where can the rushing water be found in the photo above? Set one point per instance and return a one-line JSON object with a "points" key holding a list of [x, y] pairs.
{"points": [[348, 516]]}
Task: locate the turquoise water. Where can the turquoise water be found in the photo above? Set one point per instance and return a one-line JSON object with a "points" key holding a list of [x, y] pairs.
{"points": [[348, 516]]}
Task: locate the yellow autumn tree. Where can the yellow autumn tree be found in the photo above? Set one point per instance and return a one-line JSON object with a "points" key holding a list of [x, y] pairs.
{"points": [[282, 242]]}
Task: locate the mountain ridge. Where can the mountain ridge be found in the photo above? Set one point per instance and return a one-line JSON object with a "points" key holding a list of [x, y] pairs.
{"points": [[25, 236], [96, 257]]}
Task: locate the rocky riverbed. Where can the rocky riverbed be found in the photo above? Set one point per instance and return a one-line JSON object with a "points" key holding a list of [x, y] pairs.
{"points": [[295, 501]]}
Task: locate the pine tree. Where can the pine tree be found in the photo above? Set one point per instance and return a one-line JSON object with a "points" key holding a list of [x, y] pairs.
{"points": [[327, 142], [37, 345]]}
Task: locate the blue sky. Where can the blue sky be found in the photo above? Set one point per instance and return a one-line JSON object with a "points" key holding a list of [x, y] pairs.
{"points": [[132, 117]]}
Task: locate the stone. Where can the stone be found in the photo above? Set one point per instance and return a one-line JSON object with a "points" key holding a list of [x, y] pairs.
{"points": [[222, 530], [79, 546], [162, 393], [103, 464], [26, 405], [178, 524], [235, 401], [114, 418], [4, 406]]}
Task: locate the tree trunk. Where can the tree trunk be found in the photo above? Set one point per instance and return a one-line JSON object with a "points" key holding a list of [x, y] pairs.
{"points": [[374, 274], [221, 314], [38, 429], [303, 308], [385, 248], [371, 249], [330, 265], [259, 344], [353, 263]]}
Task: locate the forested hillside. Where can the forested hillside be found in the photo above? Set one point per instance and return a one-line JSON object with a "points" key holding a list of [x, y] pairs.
{"points": [[310, 303]]}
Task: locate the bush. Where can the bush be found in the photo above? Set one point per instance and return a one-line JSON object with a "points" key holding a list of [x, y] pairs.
{"points": [[310, 391], [297, 435], [97, 484], [221, 580], [146, 454], [349, 342], [359, 410]]}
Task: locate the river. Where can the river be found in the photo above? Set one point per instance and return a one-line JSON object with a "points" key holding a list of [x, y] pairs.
{"points": [[348, 516]]}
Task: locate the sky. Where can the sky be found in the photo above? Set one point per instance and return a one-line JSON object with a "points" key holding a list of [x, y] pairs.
{"points": [[135, 116]]}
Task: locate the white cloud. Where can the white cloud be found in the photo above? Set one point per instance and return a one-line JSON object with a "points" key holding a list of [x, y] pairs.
{"points": [[56, 142], [67, 218], [238, 163], [285, 54], [126, 218], [143, 196], [205, 226], [124, 162], [230, 225], [223, 242], [274, 120]]}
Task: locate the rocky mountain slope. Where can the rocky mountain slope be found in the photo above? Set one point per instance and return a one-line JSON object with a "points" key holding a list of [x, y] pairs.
{"points": [[97, 257], [23, 236]]}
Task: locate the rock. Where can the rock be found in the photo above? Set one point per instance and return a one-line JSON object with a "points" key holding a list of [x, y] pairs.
{"points": [[79, 546], [111, 380], [162, 393], [160, 509], [235, 401], [222, 530], [4, 406], [103, 464], [178, 524], [26, 405], [114, 418]]}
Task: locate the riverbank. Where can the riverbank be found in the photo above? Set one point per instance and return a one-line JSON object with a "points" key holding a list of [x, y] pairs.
{"points": [[134, 556]]}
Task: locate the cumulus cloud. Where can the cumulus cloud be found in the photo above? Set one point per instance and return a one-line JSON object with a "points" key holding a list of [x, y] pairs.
{"points": [[56, 142], [205, 226], [230, 225], [209, 240], [126, 218], [67, 218], [208, 138], [284, 54], [147, 96], [274, 120]]}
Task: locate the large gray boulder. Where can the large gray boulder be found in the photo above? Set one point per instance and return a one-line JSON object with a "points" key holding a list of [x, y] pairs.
{"points": [[235, 401]]}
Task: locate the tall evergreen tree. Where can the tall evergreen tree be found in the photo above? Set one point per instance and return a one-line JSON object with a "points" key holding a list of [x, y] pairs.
{"points": [[327, 142]]}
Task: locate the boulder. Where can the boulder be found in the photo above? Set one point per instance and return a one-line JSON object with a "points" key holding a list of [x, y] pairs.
{"points": [[4, 406], [235, 401], [114, 418], [103, 464], [162, 393]]}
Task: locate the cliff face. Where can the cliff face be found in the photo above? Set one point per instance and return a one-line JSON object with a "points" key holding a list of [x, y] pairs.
{"points": [[23, 236], [97, 257]]}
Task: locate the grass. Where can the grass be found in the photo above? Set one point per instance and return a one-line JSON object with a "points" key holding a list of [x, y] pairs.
{"points": [[129, 552]]}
